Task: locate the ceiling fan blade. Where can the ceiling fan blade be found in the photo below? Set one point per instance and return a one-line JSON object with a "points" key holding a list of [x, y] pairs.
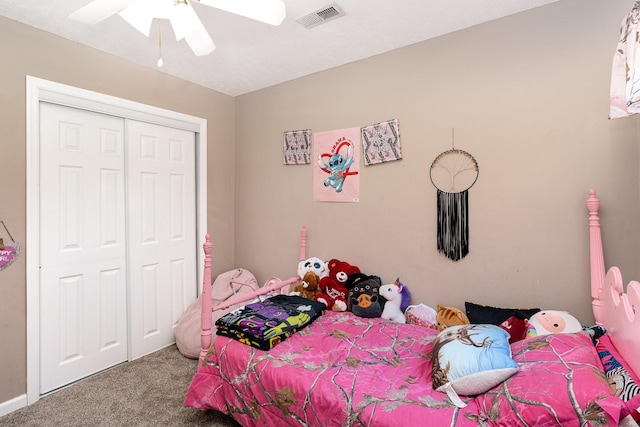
{"points": [[184, 20], [99, 10], [140, 13], [200, 42], [268, 11], [135, 16]]}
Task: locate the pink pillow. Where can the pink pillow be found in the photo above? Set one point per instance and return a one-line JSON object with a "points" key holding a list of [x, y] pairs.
{"points": [[558, 373], [223, 288]]}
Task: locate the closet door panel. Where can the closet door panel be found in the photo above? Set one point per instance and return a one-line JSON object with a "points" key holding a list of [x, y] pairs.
{"points": [[83, 297], [162, 224]]}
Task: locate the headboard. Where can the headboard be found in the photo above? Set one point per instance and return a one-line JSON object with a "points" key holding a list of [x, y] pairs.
{"points": [[206, 336]]}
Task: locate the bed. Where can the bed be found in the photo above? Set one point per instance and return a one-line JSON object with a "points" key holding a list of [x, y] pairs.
{"points": [[345, 370]]}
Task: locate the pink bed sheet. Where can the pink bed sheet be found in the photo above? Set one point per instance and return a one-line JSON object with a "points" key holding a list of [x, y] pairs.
{"points": [[350, 371]]}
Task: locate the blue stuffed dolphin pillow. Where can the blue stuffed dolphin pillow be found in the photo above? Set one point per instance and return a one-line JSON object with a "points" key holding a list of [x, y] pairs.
{"points": [[471, 359]]}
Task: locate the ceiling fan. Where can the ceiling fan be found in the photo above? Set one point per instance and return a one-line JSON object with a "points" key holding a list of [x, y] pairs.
{"points": [[183, 18]]}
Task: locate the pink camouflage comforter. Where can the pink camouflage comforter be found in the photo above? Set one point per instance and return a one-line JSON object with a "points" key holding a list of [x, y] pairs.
{"points": [[343, 370]]}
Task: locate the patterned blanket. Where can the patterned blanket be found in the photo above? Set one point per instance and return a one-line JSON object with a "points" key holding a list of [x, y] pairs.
{"points": [[264, 324], [343, 370]]}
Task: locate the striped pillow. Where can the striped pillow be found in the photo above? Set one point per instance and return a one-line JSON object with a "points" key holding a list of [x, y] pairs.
{"points": [[622, 380]]}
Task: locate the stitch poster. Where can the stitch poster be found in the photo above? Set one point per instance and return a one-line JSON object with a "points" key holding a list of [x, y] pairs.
{"points": [[336, 172]]}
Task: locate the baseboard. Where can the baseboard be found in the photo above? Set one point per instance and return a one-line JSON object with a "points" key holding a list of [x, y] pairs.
{"points": [[13, 405]]}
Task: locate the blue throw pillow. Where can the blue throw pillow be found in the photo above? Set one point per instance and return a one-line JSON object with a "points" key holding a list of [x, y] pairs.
{"points": [[471, 359]]}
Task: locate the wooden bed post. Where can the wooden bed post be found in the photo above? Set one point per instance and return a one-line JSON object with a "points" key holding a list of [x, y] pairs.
{"points": [[597, 256], [205, 318]]}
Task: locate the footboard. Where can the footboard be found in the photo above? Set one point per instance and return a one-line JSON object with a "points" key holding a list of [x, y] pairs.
{"points": [[613, 308]]}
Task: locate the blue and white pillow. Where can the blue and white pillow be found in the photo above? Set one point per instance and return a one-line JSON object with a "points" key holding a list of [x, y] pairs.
{"points": [[471, 359]]}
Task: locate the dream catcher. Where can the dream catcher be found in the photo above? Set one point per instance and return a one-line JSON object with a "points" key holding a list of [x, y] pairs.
{"points": [[453, 173]]}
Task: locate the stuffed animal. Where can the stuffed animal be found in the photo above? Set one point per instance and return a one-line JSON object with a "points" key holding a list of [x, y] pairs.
{"points": [[449, 316], [364, 295], [334, 290], [516, 327], [309, 288], [422, 315], [397, 298], [547, 322], [314, 264]]}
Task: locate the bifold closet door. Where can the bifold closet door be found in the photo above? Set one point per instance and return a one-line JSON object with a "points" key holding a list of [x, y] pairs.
{"points": [[161, 232], [83, 269]]}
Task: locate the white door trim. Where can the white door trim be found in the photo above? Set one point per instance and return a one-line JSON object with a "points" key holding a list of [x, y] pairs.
{"points": [[39, 90]]}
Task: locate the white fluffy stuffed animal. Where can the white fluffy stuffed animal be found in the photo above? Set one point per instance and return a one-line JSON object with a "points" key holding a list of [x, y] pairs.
{"points": [[547, 322], [315, 265]]}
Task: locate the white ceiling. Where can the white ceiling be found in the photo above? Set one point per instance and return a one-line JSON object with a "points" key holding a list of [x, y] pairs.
{"points": [[251, 55]]}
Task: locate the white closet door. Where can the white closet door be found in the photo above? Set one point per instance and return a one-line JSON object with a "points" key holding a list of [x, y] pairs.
{"points": [[161, 232], [83, 300]]}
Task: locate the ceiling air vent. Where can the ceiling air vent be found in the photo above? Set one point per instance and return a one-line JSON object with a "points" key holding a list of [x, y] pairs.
{"points": [[320, 16]]}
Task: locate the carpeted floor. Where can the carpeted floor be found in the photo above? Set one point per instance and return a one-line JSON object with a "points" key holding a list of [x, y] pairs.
{"points": [[146, 392]]}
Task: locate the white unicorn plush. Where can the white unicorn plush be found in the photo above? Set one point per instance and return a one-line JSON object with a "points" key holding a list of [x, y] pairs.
{"points": [[397, 296]]}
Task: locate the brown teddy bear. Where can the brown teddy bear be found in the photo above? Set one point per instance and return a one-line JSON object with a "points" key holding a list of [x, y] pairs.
{"points": [[309, 288], [449, 316]]}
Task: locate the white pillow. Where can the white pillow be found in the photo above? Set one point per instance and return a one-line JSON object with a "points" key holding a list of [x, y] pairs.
{"points": [[547, 322]]}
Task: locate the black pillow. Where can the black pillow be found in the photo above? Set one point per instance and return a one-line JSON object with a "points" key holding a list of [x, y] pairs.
{"points": [[495, 315]]}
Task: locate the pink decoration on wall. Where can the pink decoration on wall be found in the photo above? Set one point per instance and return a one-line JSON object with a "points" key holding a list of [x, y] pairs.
{"points": [[8, 251], [335, 175], [9, 254], [381, 142]]}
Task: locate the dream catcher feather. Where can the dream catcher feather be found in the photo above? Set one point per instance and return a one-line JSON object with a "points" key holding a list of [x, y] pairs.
{"points": [[453, 173]]}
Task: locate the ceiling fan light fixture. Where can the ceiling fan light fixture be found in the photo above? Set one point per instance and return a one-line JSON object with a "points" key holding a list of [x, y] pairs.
{"points": [[184, 20], [140, 13], [162, 9]]}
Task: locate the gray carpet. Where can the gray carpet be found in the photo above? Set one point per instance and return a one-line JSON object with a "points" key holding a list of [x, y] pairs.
{"points": [[146, 392]]}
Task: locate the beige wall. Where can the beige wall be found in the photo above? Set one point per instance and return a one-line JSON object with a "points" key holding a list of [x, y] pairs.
{"points": [[26, 51], [528, 97]]}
